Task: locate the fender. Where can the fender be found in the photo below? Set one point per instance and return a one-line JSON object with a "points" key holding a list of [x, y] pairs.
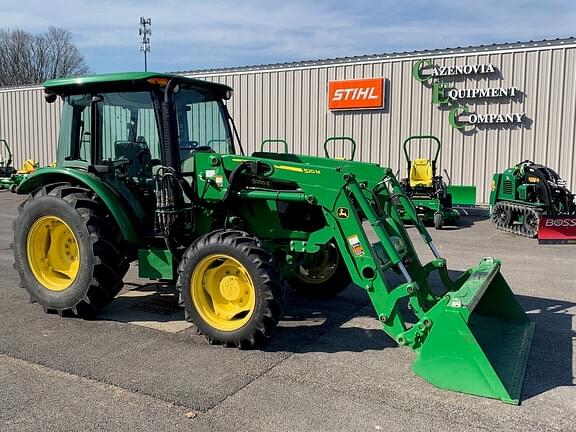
{"points": [[118, 206]]}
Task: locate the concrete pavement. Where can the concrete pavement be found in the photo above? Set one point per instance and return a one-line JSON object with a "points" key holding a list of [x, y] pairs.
{"points": [[327, 367]]}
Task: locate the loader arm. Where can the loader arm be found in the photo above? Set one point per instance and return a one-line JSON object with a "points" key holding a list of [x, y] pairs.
{"points": [[464, 323]]}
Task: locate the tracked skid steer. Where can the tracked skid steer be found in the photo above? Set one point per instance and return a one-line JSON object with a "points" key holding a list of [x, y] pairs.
{"points": [[149, 170], [532, 200]]}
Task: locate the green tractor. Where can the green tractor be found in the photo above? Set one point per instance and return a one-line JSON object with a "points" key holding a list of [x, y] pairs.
{"points": [[431, 196], [150, 169]]}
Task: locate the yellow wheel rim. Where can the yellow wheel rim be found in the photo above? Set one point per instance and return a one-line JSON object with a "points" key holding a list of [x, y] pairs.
{"points": [[222, 292], [321, 267], [53, 254]]}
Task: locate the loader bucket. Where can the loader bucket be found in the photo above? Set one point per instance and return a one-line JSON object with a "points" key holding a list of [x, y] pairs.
{"points": [[479, 339]]}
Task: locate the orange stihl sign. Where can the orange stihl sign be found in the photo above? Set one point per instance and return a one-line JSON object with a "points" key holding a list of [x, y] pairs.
{"points": [[356, 94]]}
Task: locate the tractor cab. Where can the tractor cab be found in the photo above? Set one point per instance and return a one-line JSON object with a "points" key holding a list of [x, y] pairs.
{"points": [[130, 129], [139, 120]]}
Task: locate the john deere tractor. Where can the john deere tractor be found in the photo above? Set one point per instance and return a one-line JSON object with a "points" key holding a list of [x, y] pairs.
{"points": [[150, 170]]}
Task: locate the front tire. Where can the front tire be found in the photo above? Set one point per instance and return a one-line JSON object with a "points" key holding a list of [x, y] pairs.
{"points": [[231, 288], [321, 275], [438, 221], [68, 250]]}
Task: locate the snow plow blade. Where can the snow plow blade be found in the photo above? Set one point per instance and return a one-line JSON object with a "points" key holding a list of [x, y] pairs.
{"points": [[557, 230]]}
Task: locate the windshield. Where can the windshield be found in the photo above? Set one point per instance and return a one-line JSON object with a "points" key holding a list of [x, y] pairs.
{"points": [[202, 124]]}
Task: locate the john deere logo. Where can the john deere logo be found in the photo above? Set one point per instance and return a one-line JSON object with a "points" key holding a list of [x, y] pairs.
{"points": [[342, 212]]}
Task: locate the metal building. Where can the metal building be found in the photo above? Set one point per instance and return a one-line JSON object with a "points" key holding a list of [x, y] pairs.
{"points": [[491, 106]]}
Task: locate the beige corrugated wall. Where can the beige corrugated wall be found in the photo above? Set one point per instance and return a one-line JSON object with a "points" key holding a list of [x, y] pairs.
{"points": [[290, 102], [29, 124]]}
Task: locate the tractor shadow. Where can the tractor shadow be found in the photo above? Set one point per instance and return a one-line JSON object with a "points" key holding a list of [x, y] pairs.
{"points": [[550, 363], [347, 323], [468, 217], [152, 305], [343, 323]]}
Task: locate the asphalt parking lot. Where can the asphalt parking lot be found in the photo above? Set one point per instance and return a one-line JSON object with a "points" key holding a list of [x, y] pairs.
{"points": [[328, 367]]}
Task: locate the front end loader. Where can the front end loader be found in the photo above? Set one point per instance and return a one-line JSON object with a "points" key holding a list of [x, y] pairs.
{"points": [[150, 169]]}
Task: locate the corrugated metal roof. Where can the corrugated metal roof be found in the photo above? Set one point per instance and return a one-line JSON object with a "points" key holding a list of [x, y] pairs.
{"points": [[363, 58], [390, 56], [21, 87]]}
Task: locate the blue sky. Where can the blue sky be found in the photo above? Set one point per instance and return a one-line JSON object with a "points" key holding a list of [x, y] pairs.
{"points": [[198, 34]]}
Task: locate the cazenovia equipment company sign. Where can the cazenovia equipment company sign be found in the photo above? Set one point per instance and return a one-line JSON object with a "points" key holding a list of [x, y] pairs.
{"points": [[356, 94], [457, 99]]}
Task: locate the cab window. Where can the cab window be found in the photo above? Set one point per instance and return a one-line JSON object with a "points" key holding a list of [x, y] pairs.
{"points": [[201, 123]]}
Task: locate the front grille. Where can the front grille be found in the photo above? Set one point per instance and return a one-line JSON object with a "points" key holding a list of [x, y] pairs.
{"points": [[508, 187]]}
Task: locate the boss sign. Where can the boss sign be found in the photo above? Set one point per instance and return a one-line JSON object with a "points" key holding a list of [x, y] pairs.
{"points": [[356, 94]]}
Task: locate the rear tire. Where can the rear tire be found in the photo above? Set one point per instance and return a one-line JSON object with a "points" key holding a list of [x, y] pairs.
{"points": [[68, 250], [231, 288]]}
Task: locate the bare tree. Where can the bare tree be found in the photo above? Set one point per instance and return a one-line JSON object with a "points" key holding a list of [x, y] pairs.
{"points": [[32, 59]]}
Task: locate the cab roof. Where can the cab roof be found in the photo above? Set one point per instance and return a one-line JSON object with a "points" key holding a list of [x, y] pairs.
{"points": [[125, 81]]}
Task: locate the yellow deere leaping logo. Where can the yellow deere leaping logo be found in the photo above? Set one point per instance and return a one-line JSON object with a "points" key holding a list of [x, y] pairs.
{"points": [[342, 212]]}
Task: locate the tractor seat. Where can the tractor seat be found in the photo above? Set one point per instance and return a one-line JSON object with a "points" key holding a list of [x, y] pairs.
{"points": [[421, 173], [138, 154]]}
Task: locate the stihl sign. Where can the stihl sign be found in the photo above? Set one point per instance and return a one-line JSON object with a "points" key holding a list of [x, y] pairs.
{"points": [[557, 230], [356, 94]]}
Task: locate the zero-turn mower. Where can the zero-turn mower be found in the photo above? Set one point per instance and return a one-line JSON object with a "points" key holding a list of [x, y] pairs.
{"points": [[428, 191], [10, 177], [6, 168]]}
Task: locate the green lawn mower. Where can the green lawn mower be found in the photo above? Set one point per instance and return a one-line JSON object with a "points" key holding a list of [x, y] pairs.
{"points": [[427, 190], [10, 177], [6, 168]]}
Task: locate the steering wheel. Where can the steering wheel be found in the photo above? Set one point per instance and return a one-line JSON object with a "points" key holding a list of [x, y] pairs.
{"points": [[190, 145]]}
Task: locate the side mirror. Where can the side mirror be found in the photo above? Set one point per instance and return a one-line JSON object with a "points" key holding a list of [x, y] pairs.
{"points": [[50, 97]]}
